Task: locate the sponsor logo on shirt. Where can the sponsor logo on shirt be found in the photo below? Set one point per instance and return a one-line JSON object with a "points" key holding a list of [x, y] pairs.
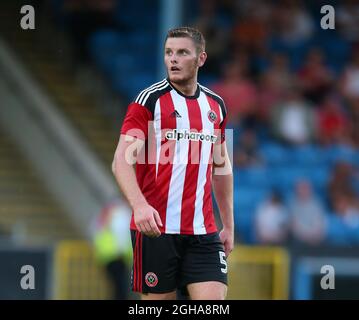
{"points": [[188, 135]]}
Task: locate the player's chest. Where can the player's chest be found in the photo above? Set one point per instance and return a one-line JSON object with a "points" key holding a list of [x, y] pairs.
{"points": [[192, 116]]}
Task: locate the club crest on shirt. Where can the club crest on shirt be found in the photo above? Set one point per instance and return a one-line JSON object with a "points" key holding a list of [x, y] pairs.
{"points": [[212, 116], [151, 279]]}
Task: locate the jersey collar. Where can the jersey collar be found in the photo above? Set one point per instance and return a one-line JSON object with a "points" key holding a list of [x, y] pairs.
{"points": [[195, 96]]}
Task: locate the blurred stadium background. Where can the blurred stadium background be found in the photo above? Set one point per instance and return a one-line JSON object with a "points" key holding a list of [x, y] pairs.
{"points": [[292, 91]]}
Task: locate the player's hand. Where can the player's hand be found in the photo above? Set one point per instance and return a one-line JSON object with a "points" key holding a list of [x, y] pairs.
{"points": [[147, 220], [227, 238]]}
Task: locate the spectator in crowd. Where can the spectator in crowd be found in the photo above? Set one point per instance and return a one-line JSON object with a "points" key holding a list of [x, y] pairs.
{"points": [[112, 244], [341, 182], [315, 77], [273, 84], [307, 215], [354, 117], [214, 27], [272, 221], [348, 20], [343, 196], [333, 125], [293, 120], [239, 92], [349, 81], [346, 206], [247, 152], [251, 28], [293, 23]]}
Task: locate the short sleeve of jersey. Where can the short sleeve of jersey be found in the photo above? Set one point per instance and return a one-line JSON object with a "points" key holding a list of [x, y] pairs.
{"points": [[223, 124], [136, 121]]}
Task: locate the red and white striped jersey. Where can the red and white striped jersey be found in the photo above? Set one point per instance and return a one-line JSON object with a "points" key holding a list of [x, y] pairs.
{"points": [[175, 173]]}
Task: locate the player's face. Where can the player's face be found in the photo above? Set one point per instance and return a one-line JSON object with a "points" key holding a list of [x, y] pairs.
{"points": [[182, 60]]}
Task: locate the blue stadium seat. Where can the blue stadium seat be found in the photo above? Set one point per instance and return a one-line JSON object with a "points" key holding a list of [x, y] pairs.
{"points": [[244, 213], [337, 232], [249, 198], [244, 228], [105, 39], [354, 235], [142, 39], [251, 177], [337, 47], [342, 153], [296, 51], [105, 46], [137, 15], [274, 154], [131, 84], [106, 42], [356, 158], [319, 177], [285, 177], [307, 155], [257, 177], [207, 80]]}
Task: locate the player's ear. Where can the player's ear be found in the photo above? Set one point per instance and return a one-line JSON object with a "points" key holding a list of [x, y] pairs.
{"points": [[202, 58]]}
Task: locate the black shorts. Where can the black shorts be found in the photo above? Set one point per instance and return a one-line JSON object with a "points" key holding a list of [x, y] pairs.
{"points": [[173, 261]]}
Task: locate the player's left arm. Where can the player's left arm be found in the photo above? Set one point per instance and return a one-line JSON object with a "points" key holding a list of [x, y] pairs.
{"points": [[222, 182]]}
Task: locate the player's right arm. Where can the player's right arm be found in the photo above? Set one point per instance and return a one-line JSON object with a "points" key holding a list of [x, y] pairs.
{"points": [[146, 218]]}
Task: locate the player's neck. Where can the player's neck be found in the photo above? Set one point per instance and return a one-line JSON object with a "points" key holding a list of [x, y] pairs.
{"points": [[188, 88]]}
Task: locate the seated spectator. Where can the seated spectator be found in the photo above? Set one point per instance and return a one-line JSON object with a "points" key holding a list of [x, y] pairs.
{"points": [[237, 90], [315, 77], [348, 20], [354, 120], [293, 120], [349, 81], [272, 221], [273, 84], [251, 29], [347, 208], [214, 28], [247, 152], [333, 125], [293, 23], [307, 214], [341, 182]]}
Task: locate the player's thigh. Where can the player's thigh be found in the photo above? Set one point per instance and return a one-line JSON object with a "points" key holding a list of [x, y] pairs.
{"points": [[204, 261], [208, 290], [159, 296]]}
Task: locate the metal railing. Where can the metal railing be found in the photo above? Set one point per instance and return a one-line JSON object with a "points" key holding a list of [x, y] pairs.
{"points": [[257, 272], [78, 275]]}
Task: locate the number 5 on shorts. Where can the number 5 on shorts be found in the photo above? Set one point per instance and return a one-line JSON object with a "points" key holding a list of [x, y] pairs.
{"points": [[223, 261]]}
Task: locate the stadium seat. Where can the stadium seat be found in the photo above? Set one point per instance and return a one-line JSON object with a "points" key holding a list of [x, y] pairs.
{"points": [[285, 177], [342, 153], [142, 39], [252, 177], [354, 235], [107, 49], [319, 177], [131, 84], [307, 155], [274, 154], [337, 232], [249, 197]]}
